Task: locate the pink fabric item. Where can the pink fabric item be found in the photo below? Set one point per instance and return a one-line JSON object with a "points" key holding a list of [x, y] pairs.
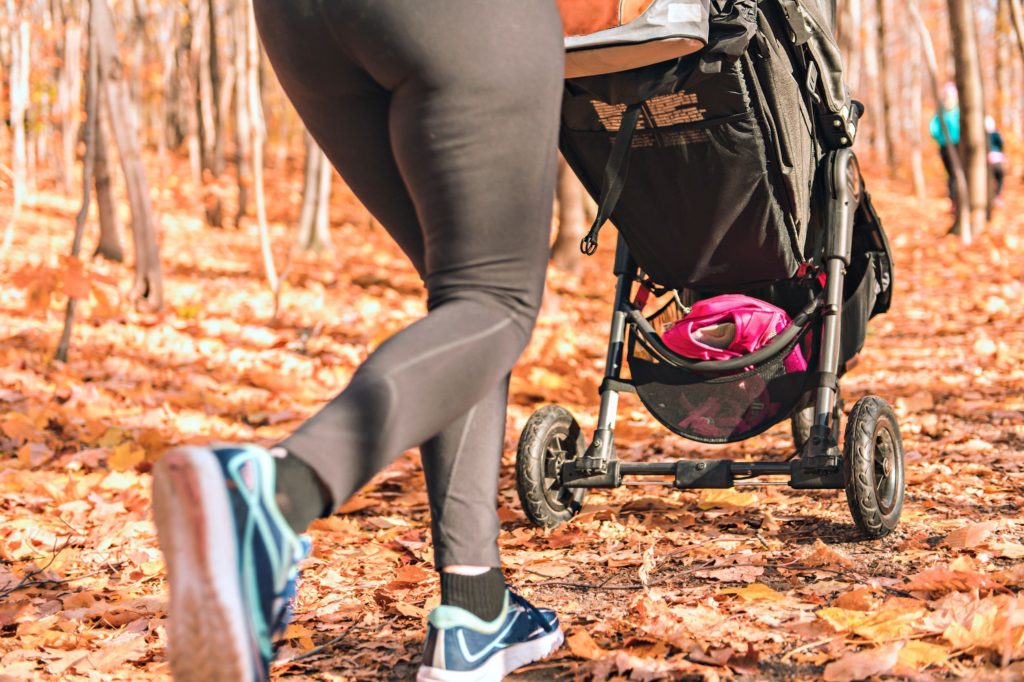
{"points": [[756, 324]]}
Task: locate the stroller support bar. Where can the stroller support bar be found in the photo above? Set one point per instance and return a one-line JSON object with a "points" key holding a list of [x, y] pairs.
{"points": [[705, 473]]}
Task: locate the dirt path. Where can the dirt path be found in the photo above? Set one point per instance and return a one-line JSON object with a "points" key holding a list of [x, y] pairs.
{"points": [[762, 583]]}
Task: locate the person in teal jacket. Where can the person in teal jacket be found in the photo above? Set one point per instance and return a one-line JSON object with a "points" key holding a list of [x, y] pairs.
{"points": [[951, 116]]}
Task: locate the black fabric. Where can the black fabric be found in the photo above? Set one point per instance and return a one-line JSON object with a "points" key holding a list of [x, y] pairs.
{"points": [[722, 170], [482, 595], [442, 117]]}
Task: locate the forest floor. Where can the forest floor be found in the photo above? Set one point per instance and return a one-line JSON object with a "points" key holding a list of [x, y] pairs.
{"points": [[753, 583]]}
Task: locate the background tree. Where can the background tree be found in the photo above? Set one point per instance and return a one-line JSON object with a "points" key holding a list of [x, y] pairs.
{"points": [[973, 140], [313, 233]]}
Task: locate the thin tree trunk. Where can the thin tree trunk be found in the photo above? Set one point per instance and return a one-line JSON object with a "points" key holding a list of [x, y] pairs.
{"points": [[109, 246], [243, 121], [258, 132], [916, 116], [962, 226], [885, 87], [69, 93], [310, 185], [1017, 15], [973, 139], [148, 285], [565, 252], [19, 89], [207, 75], [91, 125], [321, 226]]}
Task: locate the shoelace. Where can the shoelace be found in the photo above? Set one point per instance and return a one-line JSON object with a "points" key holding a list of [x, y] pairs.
{"points": [[533, 610]]}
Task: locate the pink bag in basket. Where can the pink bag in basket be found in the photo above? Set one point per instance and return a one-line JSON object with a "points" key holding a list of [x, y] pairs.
{"points": [[729, 326]]}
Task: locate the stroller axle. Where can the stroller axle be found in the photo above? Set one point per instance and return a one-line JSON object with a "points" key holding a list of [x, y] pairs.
{"points": [[705, 473]]}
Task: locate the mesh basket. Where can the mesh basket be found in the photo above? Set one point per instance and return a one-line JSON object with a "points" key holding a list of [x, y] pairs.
{"points": [[722, 408]]}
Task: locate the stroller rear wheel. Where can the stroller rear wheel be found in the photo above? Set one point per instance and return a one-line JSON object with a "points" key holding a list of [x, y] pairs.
{"points": [[551, 438], [873, 467]]}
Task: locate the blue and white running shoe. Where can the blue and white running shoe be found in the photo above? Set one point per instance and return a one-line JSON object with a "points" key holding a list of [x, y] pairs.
{"points": [[232, 561], [460, 647]]}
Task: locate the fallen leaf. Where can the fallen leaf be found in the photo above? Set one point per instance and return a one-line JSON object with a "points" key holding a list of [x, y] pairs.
{"points": [[755, 592], [726, 498], [946, 580], [826, 557], [916, 656], [863, 664], [126, 456], [971, 535], [581, 644]]}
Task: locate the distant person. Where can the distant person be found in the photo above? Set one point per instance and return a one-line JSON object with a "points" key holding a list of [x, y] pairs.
{"points": [[951, 116], [996, 158]]}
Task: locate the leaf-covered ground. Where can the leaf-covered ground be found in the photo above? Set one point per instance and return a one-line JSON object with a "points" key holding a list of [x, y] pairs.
{"points": [[650, 583]]}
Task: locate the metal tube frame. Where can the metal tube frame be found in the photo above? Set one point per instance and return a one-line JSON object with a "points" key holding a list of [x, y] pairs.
{"points": [[818, 466]]}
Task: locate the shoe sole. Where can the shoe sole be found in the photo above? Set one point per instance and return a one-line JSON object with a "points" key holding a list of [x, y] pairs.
{"points": [[500, 664], [208, 635]]}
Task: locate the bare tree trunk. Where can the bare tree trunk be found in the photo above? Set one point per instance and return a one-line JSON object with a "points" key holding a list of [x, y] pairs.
{"points": [[258, 132], [973, 139], [69, 95], [207, 75], [962, 224], [243, 120], [148, 285], [1018, 24], [109, 246], [885, 87], [310, 184], [19, 89], [850, 23], [916, 116], [313, 233], [565, 252], [91, 126]]}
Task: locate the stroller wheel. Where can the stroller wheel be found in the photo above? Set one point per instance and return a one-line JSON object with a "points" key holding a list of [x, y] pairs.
{"points": [[873, 466], [803, 418], [551, 438]]}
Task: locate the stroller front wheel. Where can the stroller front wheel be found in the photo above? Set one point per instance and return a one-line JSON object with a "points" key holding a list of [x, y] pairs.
{"points": [[551, 438], [873, 467]]}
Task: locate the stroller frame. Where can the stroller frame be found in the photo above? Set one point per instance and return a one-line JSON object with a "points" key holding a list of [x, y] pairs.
{"points": [[819, 464]]}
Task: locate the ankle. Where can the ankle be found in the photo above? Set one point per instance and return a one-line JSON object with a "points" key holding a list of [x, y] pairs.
{"points": [[300, 494], [482, 594]]}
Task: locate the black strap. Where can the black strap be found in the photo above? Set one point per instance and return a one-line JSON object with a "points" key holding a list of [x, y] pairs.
{"points": [[614, 176]]}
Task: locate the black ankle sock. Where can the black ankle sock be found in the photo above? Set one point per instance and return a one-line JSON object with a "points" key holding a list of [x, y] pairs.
{"points": [[300, 495], [482, 595]]}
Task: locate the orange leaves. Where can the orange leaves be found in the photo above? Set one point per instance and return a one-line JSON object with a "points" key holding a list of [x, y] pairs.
{"points": [[970, 535], [863, 664], [70, 278], [941, 580], [730, 499], [995, 625], [755, 592], [126, 456], [896, 619]]}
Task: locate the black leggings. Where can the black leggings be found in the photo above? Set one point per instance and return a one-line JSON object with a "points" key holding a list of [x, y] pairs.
{"points": [[442, 117]]}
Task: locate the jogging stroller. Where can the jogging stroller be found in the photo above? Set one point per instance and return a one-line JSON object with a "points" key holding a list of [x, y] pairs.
{"points": [[727, 168]]}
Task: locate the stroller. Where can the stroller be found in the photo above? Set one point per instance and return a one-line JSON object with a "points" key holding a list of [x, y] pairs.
{"points": [[726, 167]]}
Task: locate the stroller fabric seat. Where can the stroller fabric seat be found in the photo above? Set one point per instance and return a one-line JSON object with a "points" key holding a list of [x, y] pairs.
{"points": [[608, 36]]}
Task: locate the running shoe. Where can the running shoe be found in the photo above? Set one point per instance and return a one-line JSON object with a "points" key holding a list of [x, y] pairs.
{"points": [[461, 647], [232, 561]]}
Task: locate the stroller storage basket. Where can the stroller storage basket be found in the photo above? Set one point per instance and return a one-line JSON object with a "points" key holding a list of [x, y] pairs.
{"points": [[717, 407]]}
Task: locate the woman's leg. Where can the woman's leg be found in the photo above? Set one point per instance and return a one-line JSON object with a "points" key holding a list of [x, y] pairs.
{"points": [[442, 117], [449, 108]]}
